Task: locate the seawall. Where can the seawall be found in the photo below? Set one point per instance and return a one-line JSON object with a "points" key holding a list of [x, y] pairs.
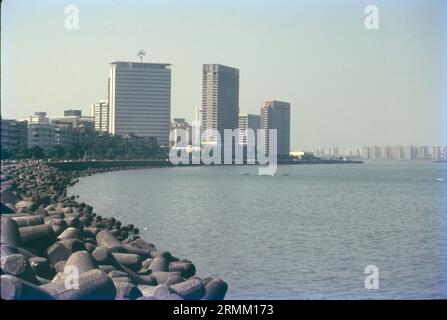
{"points": [[53, 247]]}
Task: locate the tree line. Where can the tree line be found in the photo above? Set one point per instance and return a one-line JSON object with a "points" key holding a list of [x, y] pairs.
{"points": [[96, 146]]}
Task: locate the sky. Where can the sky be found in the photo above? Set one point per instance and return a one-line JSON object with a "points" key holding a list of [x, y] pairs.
{"points": [[348, 86]]}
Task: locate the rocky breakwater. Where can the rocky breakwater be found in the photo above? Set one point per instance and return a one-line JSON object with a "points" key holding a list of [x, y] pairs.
{"points": [[53, 247]]}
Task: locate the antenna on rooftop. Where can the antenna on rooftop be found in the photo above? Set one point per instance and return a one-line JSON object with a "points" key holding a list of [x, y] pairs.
{"points": [[141, 54]]}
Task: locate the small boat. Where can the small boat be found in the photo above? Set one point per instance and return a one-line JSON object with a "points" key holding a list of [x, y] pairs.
{"points": [[440, 179], [246, 174]]}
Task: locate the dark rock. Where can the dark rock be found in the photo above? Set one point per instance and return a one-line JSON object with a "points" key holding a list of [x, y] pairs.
{"points": [[130, 260], [117, 274], [13, 288], [192, 289], [215, 289], [89, 247], [41, 267], [38, 237], [122, 279], [82, 261], [186, 269], [73, 222], [59, 266], [28, 253], [17, 265], [143, 252], [10, 234], [29, 221], [167, 278], [6, 209], [70, 233], [126, 290], [7, 250], [92, 285], [74, 245], [106, 268], [27, 205], [159, 264], [57, 252], [108, 240]]}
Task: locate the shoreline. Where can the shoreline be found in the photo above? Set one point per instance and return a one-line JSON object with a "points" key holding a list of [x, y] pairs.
{"points": [[46, 236], [113, 165]]}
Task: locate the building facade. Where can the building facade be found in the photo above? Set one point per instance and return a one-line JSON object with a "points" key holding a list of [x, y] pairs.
{"points": [[83, 128], [41, 133], [5, 135], [72, 113], [220, 100], [14, 136], [140, 100], [101, 115], [64, 134], [248, 121], [180, 123], [276, 115]]}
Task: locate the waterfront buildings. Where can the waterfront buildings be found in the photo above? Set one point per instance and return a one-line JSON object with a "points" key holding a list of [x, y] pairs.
{"points": [[439, 153], [319, 151], [180, 123], [40, 132], [424, 153], [403, 153], [140, 99], [220, 100], [64, 134], [276, 115], [83, 128], [77, 120], [46, 133], [248, 121], [72, 113], [101, 115], [334, 152], [14, 136]]}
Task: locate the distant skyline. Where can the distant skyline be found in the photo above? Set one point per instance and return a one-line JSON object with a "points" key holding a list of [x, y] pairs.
{"points": [[347, 86]]}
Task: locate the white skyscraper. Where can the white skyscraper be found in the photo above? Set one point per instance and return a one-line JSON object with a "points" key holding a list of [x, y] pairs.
{"points": [[101, 114], [140, 99]]}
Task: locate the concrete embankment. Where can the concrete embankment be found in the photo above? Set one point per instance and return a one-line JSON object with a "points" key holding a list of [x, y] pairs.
{"points": [[53, 247]]}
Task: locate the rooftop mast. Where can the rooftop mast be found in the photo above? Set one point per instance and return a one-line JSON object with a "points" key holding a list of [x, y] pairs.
{"points": [[141, 54]]}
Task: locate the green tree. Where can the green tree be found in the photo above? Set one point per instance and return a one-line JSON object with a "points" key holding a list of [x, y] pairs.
{"points": [[59, 152], [37, 152], [5, 154]]}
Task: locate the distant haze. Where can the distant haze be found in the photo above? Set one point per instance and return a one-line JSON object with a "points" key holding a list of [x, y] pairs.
{"points": [[347, 86]]}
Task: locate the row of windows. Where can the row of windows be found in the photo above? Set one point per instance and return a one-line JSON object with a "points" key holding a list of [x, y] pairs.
{"points": [[124, 108]]}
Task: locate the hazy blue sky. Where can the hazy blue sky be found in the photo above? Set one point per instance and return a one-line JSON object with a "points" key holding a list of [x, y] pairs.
{"points": [[348, 86]]}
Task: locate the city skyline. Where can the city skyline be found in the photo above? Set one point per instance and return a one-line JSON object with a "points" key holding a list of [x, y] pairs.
{"points": [[368, 87]]}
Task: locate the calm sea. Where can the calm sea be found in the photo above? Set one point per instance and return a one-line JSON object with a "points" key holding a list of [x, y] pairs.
{"points": [[307, 232]]}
